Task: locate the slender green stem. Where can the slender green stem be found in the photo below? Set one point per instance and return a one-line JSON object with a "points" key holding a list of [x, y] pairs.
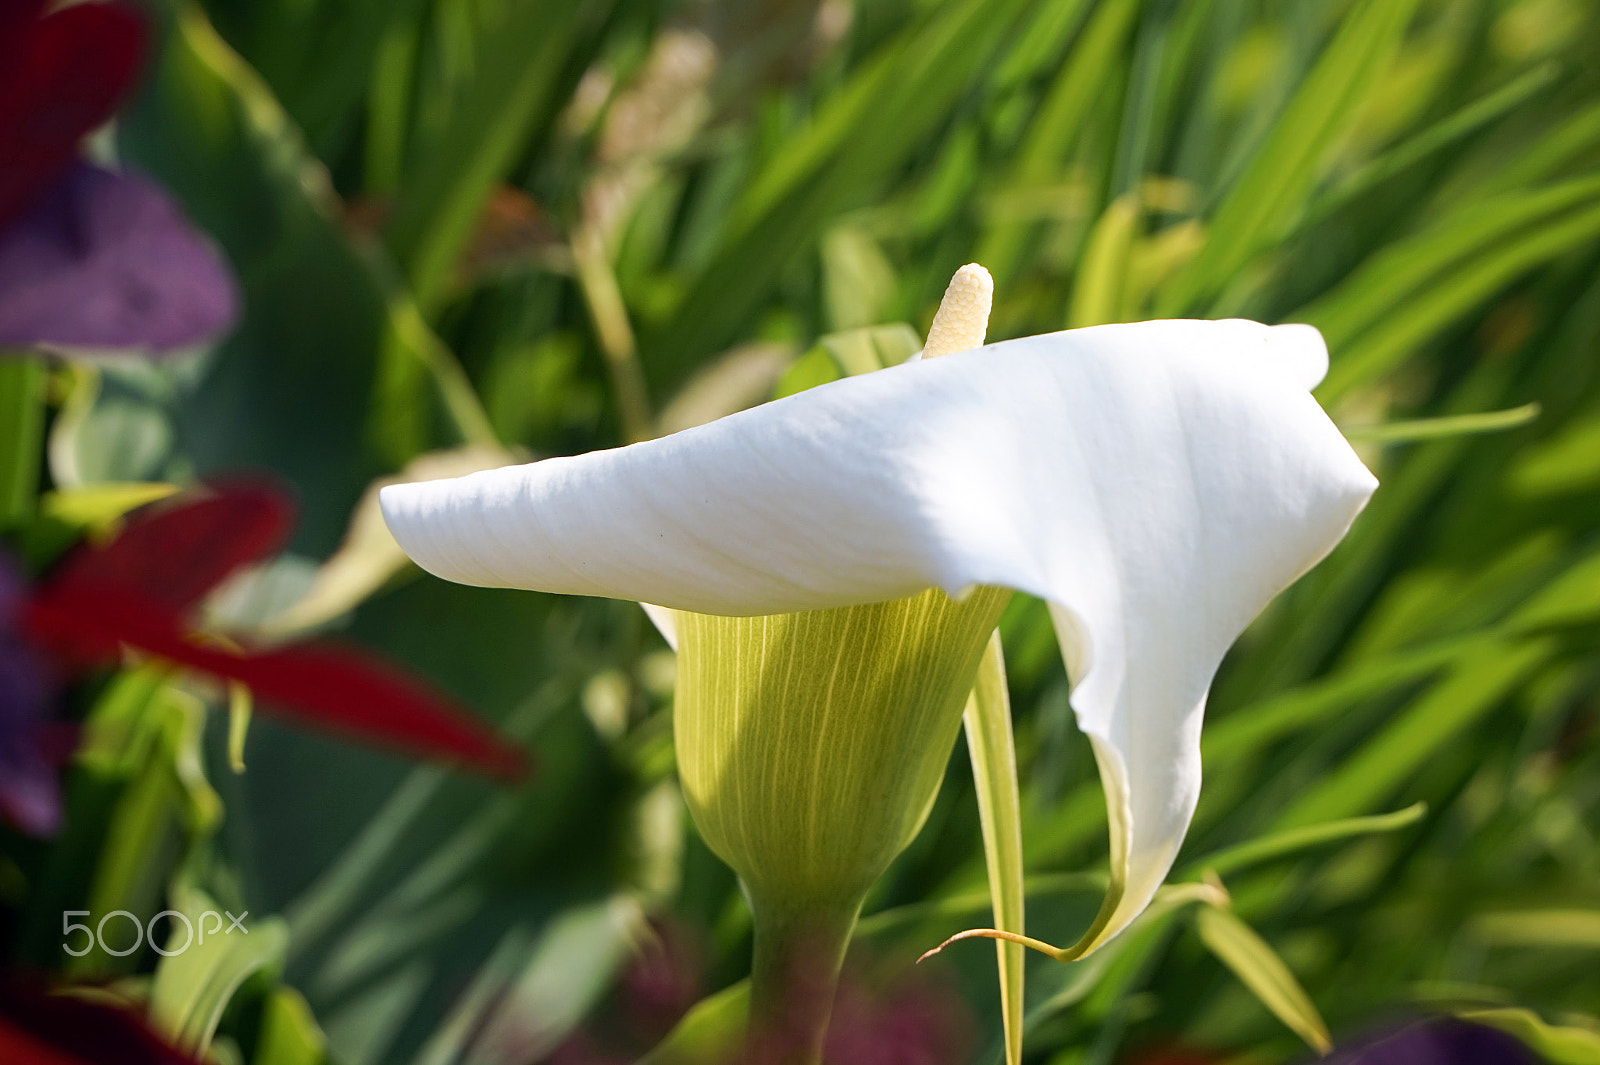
{"points": [[1492, 421], [461, 401], [615, 333], [22, 380], [793, 976]]}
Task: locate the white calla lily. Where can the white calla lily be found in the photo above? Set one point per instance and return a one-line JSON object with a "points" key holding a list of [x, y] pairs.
{"points": [[1156, 483]]}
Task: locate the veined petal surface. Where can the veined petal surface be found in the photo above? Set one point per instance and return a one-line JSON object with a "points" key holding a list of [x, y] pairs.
{"points": [[1157, 483]]}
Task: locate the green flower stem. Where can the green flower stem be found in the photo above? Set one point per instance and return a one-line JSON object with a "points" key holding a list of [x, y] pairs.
{"points": [[618, 344], [793, 976], [810, 749], [22, 381]]}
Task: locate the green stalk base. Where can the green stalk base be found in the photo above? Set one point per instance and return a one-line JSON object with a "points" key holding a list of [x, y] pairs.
{"points": [[793, 977]]}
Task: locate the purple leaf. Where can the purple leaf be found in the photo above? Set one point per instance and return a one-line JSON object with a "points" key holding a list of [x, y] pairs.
{"points": [[106, 261], [1442, 1041]]}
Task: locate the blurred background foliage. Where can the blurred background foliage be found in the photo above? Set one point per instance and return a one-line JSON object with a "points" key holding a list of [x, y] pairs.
{"points": [[468, 230]]}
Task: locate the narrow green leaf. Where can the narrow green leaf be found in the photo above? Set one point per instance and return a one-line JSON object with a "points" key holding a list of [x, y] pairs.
{"points": [[411, 354], [22, 380], [241, 705], [122, 724], [994, 777], [597, 279], [449, 1041], [1259, 968], [316, 914], [317, 57], [289, 1032], [847, 353], [859, 282], [1573, 598], [1547, 928], [1288, 163], [1577, 134], [263, 117], [1097, 284], [892, 106], [802, 155], [1443, 133], [200, 807], [96, 506], [1566, 462], [1065, 106], [204, 69], [710, 1032], [1058, 123], [388, 103], [1435, 307], [1433, 428], [520, 52], [339, 902], [166, 799], [1038, 44], [815, 367], [567, 971], [1392, 277], [1319, 611], [79, 385], [865, 350], [1241, 734], [1411, 736], [1298, 839]]}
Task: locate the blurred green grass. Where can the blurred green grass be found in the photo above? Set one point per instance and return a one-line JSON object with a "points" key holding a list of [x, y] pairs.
{"points": [[553, 226]]}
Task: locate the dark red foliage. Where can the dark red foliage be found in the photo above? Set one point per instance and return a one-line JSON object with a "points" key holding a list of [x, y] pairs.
{"points": [[319, 684], [173, 555], [42, 1029], [654, 992], [662, 982], [137, 591], [60, 77], [916, 1020], [16, 19]]}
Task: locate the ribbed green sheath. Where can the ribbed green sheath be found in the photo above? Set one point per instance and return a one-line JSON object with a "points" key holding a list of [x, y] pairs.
{"points": [[811, 745]]}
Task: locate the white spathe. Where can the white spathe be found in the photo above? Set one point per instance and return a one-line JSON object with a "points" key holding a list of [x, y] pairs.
{"points": [[1155, 483]]}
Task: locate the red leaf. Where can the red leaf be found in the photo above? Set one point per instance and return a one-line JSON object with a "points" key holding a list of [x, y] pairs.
{"points": [[172, 555], [16, 23], [63, 76], [37, 1028], [323, 685], [23, 1049]]}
